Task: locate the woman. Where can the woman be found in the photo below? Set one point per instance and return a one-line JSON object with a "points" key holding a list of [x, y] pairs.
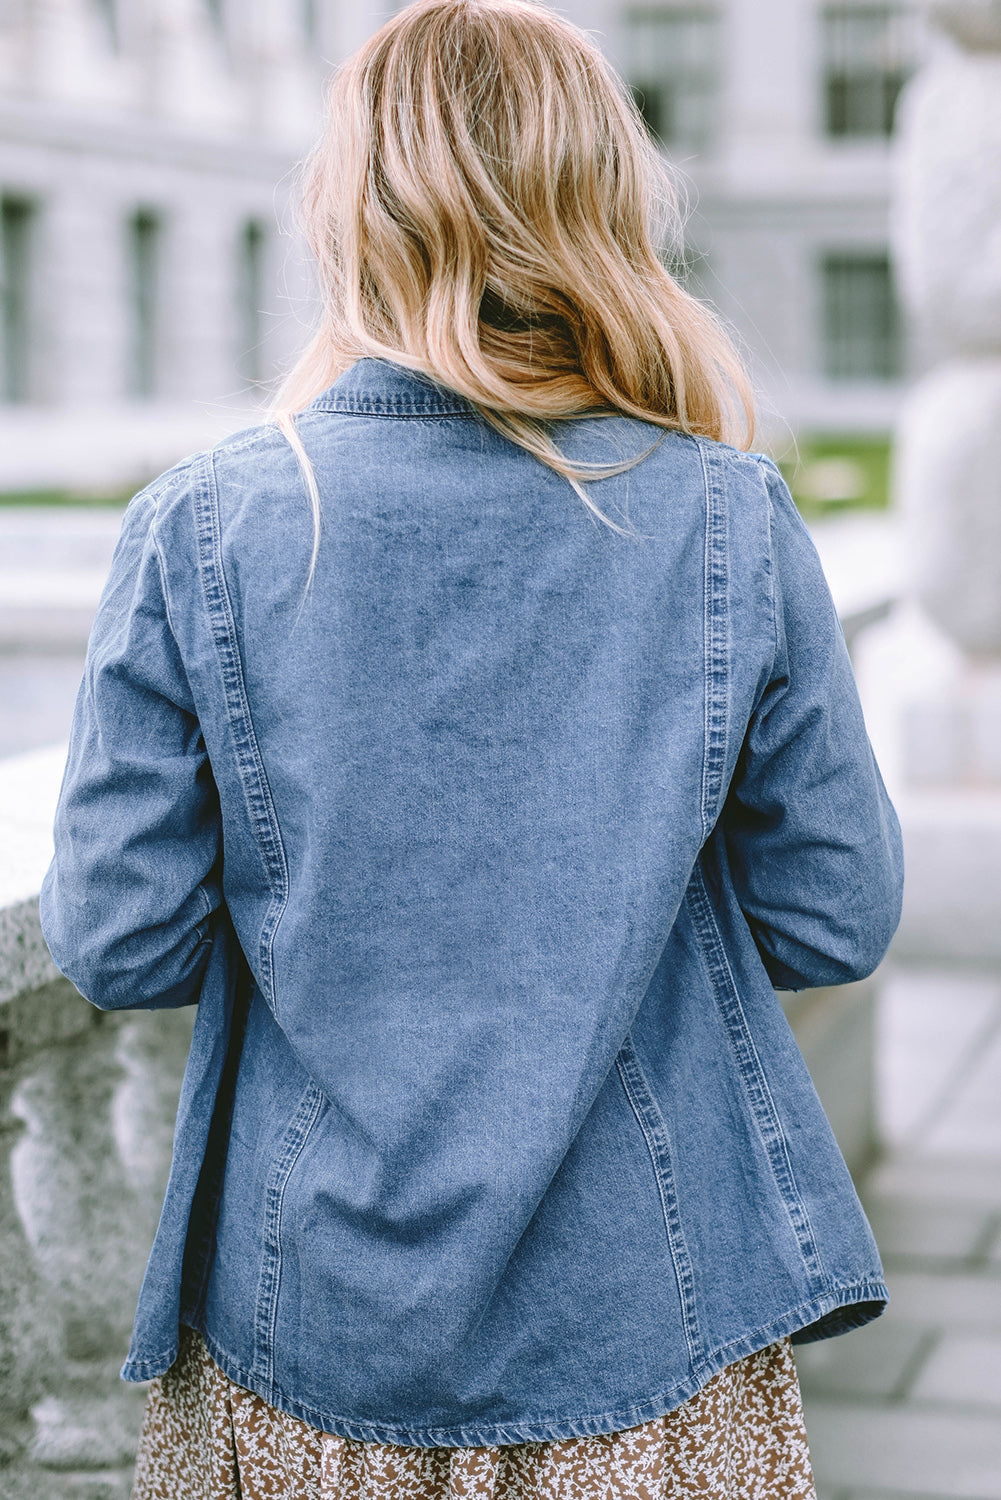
{"points": [[480, 805]]}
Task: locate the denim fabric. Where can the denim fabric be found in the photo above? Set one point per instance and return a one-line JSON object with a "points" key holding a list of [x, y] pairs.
{"points": [[481, 859]]}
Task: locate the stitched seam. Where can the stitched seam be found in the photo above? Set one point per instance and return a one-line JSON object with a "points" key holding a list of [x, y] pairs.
{"points": [[162, 570], [416, 415], [706, 645], [764, 464], [269, 1284], [253, 778], [753, 1075], [842, 1295], [715, 646], [651, 1122]]}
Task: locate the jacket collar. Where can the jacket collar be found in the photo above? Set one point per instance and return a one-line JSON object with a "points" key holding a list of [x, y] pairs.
{"points": [[380, 388]]}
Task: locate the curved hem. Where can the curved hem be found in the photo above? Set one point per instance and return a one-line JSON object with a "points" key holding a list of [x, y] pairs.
{"points": [[533, 1429]]}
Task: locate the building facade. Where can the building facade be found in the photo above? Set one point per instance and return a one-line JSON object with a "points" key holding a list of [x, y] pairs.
{"points": [[152, 284], [151, 280], [780, 115]]}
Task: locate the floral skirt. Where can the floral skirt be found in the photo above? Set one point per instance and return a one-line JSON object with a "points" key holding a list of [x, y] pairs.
{"points": [[741, 1437]]}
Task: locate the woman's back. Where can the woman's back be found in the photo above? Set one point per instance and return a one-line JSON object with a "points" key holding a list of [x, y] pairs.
{"points": [[523, 816]]}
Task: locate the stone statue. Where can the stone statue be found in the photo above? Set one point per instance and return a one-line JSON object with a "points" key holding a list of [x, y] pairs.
{"points": [[949, 259], [935, 677]]}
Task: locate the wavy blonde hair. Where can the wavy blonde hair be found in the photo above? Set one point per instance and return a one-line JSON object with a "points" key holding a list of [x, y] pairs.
{"points": [[485, 207]]}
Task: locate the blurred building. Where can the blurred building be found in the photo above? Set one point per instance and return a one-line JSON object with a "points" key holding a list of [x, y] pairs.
{"points": [[149, 291], [780, 114], [148, 287]]}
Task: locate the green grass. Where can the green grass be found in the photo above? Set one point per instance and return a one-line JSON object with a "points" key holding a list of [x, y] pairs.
{"points": [[834, 473], [78, 501]]}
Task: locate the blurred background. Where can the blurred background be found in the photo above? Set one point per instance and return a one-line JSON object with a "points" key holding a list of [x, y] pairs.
{"points": [[841, 170], [153, 287]]}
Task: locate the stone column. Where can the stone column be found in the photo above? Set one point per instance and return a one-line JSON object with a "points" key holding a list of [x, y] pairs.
{"points": [[286, 75], [192, 82], [86, 289]]}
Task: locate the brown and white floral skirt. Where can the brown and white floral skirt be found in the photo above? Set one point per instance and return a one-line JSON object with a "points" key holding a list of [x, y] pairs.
{"points": [[740, 1438]]}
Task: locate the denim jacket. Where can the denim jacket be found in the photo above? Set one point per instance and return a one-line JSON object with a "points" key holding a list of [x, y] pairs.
{"points": [[482, 856]]}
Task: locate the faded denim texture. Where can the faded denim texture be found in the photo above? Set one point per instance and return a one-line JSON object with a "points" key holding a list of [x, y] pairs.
{"points": [[481, 861]]}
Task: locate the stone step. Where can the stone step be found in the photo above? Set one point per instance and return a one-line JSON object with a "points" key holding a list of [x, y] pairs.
{"points": [[959, 1302], [942, 1178], [922, 1451]]}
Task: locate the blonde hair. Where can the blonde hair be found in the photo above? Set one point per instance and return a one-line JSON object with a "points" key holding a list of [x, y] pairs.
{"points": [[485, 207]]}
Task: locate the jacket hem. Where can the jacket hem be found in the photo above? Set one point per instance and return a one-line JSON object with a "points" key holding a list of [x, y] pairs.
{"points": [[541, 1428]]}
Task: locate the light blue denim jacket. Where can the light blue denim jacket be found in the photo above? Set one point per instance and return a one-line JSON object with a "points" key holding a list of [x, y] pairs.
{"points": [[481, 859]]}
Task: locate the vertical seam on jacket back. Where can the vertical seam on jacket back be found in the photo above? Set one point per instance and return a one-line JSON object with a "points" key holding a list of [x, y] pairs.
{"points": [[250, 764], [715, 642], [753, 1075], [654, 1129], [269, 1284]]}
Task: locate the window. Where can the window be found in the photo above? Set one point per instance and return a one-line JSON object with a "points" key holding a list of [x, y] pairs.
{"points": [[869, 53], [671, 65], [861, 323], [144, 248], [16, 233], [249, 295]]}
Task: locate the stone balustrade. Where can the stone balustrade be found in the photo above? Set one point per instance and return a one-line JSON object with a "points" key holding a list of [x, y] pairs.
{"points": [[87, 1102]]}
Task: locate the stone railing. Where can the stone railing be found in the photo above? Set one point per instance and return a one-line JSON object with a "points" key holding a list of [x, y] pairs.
{"points": [[87, 1103]]}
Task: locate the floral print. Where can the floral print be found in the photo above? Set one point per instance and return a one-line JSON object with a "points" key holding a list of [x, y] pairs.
{"points": [[741, 1437]]}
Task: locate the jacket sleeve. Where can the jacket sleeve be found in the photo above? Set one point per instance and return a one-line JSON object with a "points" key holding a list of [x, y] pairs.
{"points": [[127, 904], [812, 838]]}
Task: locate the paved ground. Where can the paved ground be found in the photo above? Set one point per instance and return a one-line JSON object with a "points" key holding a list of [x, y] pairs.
{"points": [[910, 1407]]}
